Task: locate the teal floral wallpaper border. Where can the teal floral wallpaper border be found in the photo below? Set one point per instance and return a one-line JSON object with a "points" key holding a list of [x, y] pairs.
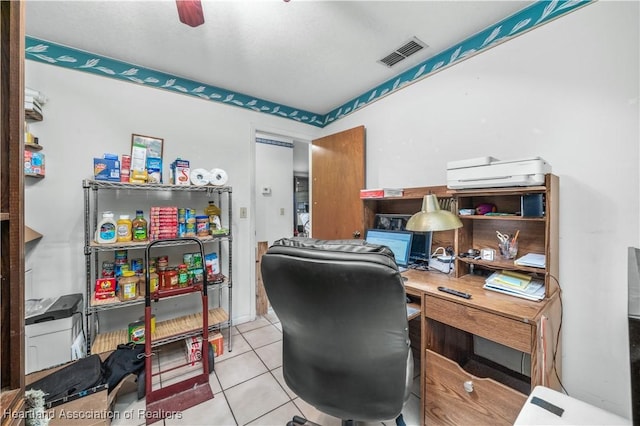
{"points": [[525, 20]]}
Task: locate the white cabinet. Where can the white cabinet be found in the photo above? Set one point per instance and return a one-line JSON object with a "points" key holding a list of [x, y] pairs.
{"points": [[107, 320]]}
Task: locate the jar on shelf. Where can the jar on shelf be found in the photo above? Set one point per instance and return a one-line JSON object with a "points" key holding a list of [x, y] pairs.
{"points": [[162, 263], [142, 284], [170, 278], [202, 226], [153, 280], [128, 286], [183, 275]]}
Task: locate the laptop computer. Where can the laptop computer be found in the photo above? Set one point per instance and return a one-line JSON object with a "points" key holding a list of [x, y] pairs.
{"points": [[398, 241]]}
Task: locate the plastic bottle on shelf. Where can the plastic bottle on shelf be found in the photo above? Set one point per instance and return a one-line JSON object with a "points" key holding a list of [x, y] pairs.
{"points": [[106, 230], [139, 227], [213, 212], [124, 229]]}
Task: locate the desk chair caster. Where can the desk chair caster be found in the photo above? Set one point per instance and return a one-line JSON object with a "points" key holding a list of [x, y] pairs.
{"points": [[297, 420]]}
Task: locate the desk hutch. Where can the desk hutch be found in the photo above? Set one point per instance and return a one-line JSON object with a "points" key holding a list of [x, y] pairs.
{"points": [[459, 386]]}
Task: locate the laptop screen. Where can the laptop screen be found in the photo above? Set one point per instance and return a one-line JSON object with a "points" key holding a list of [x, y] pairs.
{"points": [[398, 241]]}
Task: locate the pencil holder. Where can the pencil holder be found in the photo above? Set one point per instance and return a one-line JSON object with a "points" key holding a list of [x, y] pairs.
{"points": [[508, 249]]}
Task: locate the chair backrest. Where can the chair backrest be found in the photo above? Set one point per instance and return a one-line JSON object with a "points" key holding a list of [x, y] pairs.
{"points": [[342, 307]]}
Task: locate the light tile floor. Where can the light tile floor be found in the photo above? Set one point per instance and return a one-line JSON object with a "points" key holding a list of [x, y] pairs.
{"points": [[247, 383]]}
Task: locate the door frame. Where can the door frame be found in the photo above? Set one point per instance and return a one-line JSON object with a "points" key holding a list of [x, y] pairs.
{"points": [[254, 129]]}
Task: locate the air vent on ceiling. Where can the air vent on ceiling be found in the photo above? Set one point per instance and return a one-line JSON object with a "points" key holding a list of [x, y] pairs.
{"points": [[403, 52]]}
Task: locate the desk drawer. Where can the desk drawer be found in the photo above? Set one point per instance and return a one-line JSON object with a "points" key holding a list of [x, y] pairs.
{"points": [[509, 332], [483, 402]]}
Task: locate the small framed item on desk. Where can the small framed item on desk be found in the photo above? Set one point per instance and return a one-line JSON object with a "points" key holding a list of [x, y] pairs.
{"points": [[487, 254]]}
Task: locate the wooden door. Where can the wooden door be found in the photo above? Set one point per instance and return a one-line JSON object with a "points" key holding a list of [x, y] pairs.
{"points": [[338, 175], [11, 210]]}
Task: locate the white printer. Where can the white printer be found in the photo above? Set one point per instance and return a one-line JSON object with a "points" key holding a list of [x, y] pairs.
{"points": [[547, 407], [489, 172], [51, 329]]}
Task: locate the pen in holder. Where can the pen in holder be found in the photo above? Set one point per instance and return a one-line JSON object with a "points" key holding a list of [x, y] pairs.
{"points": [[508, 249], [507, 246]]}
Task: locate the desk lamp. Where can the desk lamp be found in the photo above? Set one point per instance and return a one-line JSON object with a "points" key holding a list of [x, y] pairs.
{"points": [[432, 218]]}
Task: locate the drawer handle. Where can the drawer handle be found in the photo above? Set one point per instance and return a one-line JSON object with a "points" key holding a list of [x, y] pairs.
{"points": [[468, 386]]}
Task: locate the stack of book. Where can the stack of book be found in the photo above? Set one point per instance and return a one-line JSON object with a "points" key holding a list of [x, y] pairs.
{"points": [[515, 284], [381, 193], [532, 259], [33, 100]]}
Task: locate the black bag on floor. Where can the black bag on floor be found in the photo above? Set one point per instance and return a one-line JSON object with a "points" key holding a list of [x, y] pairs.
{"points": [[127, 359], [81, 375]]}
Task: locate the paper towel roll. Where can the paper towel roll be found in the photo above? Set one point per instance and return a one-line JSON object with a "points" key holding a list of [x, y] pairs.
{"points": [[199, 177], [218, 177]]}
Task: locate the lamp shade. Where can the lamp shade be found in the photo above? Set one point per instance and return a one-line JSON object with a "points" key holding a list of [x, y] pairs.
{"points": [[432, 218]]}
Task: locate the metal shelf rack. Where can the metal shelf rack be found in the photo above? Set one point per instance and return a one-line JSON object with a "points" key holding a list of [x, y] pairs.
{"points": [[219, 317]]}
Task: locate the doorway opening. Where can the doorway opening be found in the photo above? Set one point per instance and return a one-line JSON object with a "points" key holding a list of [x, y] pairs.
{"points": [[282, 198], [302, 219]]}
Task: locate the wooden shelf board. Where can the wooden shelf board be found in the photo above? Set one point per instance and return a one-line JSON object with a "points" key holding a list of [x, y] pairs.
{"points": [[35, 175], [143, 244], [510, 190], [415, 315], [503, 264], [33, 115], [164, 330], [115, 303], [34, 146], [510, 217], [31, 234]]}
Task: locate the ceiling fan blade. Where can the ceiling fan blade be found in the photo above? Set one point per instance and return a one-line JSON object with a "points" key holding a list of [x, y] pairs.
{"points": [[190, 12]]}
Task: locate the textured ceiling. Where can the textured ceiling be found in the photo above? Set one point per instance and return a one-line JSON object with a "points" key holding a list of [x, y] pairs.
{"points": [[312, 55]]}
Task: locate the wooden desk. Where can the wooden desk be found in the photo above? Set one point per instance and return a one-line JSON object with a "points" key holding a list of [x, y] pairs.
{"points": [[459, 387]]}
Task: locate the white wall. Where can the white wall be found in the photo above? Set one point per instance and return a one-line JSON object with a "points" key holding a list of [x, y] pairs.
{"points": [[88, 115], [274, 170], [567, 92]]}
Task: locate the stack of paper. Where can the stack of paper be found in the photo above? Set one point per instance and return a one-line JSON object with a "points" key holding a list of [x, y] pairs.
{"points": [[531, 259], [35, 95], [513, 279], [503, 283], [33, 100]]}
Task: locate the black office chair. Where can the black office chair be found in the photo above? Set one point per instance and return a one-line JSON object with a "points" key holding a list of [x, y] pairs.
{"points": [[342, 306]]}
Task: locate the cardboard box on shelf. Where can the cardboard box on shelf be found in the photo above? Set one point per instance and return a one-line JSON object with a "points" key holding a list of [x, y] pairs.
{"points": [[179, 172], [107, 168], [218, 343], [105, 288], [193, 347], [34, 162]]}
